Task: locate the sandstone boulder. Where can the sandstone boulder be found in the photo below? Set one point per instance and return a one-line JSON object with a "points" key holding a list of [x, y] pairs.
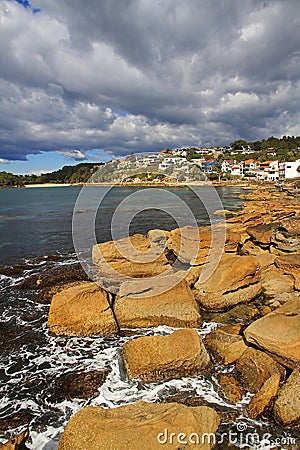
{"points": [[287, 237], [132, 257], [152, 358], [249, 248], [279, 333], [81, 310], [235, 280], [175, 308], [261, 234], [290, 264], [140, 426], [158, 237], [274, 282], [225, 348], [287, 405], [265, 260], [263, 398], [255, 368], [193, 245]]}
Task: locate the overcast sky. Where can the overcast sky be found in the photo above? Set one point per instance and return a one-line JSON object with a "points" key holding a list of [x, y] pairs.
{"points": [[81, 79]]}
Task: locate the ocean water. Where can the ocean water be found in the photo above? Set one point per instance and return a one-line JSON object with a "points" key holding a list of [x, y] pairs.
{"points": [[36, 223]]}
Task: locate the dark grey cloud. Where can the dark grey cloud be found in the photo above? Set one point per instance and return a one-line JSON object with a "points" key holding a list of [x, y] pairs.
{"points": [[145, 74]]}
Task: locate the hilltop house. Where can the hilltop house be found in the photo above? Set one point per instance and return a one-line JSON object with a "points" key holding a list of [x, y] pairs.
{"points": [[173, 162]]}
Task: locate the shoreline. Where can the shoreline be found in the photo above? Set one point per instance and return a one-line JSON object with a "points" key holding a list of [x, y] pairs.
{"points": [[44, 185]]}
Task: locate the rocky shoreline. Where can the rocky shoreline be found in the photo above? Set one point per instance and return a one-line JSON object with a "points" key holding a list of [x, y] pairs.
{"points": [[253, 297]]}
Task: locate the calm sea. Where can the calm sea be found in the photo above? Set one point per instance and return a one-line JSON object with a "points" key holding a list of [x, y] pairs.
{"points": [[35, 222]]}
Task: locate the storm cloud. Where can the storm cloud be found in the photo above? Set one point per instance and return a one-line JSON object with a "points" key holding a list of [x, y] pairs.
{"points": [[142, 75]]}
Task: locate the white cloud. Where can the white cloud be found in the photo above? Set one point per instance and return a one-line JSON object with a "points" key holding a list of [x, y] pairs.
{"points": [[144, 74], [73, 154], [4, 161]]}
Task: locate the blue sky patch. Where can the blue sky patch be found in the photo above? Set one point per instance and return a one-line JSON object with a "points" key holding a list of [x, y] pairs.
{"points": [[27, 5]]}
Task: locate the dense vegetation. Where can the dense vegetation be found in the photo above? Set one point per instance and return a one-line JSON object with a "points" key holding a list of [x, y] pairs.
{"points": [[284, 149], [68, 174]]}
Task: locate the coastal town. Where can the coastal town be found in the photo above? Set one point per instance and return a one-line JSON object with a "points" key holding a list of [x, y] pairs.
{"points": [[215, 162]]}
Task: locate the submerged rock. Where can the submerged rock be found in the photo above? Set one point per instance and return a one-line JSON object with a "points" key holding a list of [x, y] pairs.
{"points": [[241, 313], [175, 308], [235, 280], [152, 358], [147, 426], [21, 418], [81, 310], [53, 279], [77, 385], [279, 333]]}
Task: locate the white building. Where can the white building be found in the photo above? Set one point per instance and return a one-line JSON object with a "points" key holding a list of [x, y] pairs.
{"points": [[273, 172], [289, 169], [235, 168]]}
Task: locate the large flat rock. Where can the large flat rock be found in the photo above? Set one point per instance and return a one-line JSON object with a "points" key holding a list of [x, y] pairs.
{"points": [[175, 308], [81, 310], [279, 333], [235, 280], [193, 245], [133, 257], [140, 426], [152, 358]]}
